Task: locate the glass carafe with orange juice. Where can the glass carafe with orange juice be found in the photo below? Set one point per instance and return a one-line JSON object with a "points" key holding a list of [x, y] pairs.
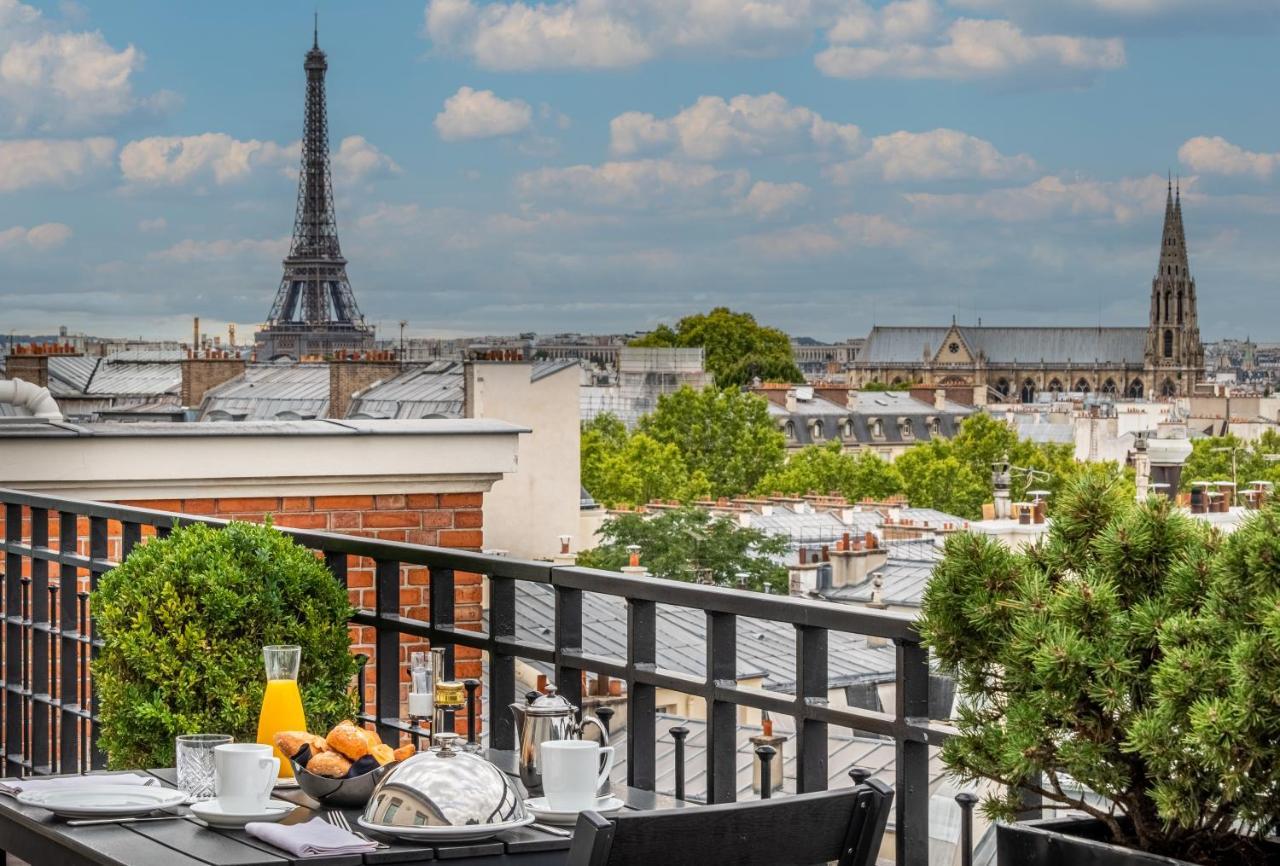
{"points": [[282, 702]]}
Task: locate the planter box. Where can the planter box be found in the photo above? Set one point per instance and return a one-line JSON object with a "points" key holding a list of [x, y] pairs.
{"points": [[1075, 842]]}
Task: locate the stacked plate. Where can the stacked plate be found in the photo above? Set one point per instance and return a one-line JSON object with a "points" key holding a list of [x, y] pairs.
{"points": [[104, 801]]}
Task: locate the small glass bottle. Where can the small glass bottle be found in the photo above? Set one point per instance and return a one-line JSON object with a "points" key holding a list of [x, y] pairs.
{"points": [[421, 687], [450, 697]]}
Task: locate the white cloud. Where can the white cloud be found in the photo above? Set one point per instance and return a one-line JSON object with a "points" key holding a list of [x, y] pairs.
{"points": [[940, 154], [216, 156], [713, 128], [45, 236], [639, 184], [1050, 197], [189, 250], [32, 162], [473, 113], [1136, 16], [598, 34], [886, 43], [357, 159], [1216, 155], [57, 80], [812, 240], [766, 200]]}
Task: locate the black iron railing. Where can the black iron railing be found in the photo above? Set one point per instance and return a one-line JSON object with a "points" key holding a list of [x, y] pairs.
{"points": [[49, 721]]}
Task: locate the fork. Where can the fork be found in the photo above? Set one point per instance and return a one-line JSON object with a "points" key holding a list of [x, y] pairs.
{"points": [[340, 821]]}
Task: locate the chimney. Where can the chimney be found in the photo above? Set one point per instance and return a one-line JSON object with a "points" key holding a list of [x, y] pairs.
{"points": [[349, 377], [199, 375], [791, 400], [634, 568], [195, 333], [564, 557], [940, 399]]}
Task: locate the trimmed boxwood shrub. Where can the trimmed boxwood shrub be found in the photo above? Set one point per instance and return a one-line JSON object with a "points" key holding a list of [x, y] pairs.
{"points": [[184, 620]]}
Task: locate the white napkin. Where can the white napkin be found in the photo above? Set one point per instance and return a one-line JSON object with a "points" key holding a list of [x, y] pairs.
{"points": [[317, 836], [17, 786]]}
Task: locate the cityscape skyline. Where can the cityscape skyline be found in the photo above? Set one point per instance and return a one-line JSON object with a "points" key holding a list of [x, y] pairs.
{"points": [[602, 167]]}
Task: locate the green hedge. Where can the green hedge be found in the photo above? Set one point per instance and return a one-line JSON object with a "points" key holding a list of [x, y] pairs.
{"points": [[184, 620]]}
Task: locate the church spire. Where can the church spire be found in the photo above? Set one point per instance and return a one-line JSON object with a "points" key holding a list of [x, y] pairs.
{"points": [[1174, 354]]}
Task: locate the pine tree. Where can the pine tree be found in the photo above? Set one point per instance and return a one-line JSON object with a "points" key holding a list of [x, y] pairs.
{"points": [[1134, 654]]}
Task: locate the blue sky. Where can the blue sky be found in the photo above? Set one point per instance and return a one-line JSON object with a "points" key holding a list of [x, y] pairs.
{"points": [[601, 165]]}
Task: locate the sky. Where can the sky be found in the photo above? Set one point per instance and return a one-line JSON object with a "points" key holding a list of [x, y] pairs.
{"points": [[609, 165]]}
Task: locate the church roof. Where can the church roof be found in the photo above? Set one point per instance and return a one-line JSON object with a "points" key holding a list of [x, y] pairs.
{"points": [[1000, 345]]}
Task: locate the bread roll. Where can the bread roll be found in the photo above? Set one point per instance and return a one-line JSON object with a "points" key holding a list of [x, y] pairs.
{"points": [[291, 742], [403, 752], [349, 740], [371, 737], [382, 753], [329, 764]]}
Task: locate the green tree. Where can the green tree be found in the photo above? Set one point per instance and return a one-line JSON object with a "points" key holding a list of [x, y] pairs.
{"points": [[690, 544], [934, 477], [1134, 654], [644, 470], [826, 469], [737, 348], [602, 437], [1210, 460], [727, 435]]}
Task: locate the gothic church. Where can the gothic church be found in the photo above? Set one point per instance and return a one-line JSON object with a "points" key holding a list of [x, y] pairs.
{"points": [[1164, 359]]}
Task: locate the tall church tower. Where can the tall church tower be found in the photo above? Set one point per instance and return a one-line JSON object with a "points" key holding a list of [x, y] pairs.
{"points": [[1174, 355]]}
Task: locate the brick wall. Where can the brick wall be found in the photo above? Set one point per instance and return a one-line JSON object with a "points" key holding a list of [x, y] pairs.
{"points": [[445, 519], [201, 374]]}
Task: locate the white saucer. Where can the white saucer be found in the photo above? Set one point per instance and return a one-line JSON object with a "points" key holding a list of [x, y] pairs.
{"points": [[539, 808], [466, 833], [212, 813], [103, 801]]}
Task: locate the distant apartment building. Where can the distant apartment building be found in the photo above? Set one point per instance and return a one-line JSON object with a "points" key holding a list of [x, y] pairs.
{"points": [[825, 361], [643, 376]]}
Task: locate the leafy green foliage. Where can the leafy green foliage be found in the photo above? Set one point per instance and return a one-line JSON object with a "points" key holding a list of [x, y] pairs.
{"points": [[933, 476], [1210, 460], [690, 544], [184, 620], [737, 348], [1136, 653], [828, 469]]}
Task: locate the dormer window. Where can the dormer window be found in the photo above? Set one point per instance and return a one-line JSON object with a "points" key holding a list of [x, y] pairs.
{"points": [[847, 428], [904, 425], [935, 426], [815, 429], [877, 428], [790, 430]]}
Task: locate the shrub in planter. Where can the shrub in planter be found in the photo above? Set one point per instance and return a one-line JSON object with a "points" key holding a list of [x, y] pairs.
{"points": [[184, 620], [1134, 653]]}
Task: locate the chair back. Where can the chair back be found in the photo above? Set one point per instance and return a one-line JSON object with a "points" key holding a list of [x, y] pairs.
{"points": [[843, 826]]}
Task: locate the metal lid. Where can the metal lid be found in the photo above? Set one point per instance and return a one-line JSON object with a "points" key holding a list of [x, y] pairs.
{"points": [[551, 704], [444, 788]]}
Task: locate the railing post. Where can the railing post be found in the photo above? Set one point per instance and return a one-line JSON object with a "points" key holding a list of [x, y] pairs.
{"points": [[811, 687], [69, 665], [678, 733], [471, 685], [14, 663], [41, 711], [912, 795], [98, 551], [502, 665], [568, 635], [386, 689], [605, 715], [440, 609], [642, 714], [722, 716]]}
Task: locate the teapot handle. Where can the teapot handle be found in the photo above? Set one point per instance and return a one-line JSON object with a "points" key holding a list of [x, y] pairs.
{"points": [[592, 720]]}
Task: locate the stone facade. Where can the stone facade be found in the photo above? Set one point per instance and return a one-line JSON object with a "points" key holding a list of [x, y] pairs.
{"points": [[1006, 364]]}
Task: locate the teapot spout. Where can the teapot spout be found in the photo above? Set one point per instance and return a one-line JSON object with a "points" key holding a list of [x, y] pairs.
{"points": [[518, 710]]}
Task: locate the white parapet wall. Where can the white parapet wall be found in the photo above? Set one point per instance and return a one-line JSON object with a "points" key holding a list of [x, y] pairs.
{"points": [[114, 461]]}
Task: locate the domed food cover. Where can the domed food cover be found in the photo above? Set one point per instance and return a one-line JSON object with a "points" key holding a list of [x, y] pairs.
{"points": [[444, 788]]}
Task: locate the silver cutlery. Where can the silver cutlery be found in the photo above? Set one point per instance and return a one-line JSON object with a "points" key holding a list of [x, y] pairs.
{"points": [[340, 821], [89, 822], [554, 831]]}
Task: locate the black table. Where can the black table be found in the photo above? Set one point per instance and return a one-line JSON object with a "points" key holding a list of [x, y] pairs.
{"points": [[34, 835]]}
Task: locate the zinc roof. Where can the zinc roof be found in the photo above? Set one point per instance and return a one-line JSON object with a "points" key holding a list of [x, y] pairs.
{"points": [[270, 391], [914, 345]]}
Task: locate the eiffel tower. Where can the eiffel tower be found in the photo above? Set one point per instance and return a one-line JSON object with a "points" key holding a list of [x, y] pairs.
{"points": [[315, 311]]}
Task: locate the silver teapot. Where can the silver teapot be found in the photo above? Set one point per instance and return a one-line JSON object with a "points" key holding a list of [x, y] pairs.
{"points": [[548, 717]]}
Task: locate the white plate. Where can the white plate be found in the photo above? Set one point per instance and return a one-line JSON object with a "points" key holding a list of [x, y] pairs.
{"points": [[104, 801], [469, 833], [213, 814], [544, 813]]}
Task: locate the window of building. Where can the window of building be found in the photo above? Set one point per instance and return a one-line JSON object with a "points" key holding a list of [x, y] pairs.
{"points": [[1055, 387], [1028, 391], [877, 428], [1082, 385], [1109, 387], [1168, 344], [1168, 389], [817, 430], [790, 430], [1135, 389], [1002, 388]]}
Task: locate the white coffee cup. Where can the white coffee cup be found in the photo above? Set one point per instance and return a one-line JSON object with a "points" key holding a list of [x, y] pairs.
{"points": [[572, 773], [243, 776]]}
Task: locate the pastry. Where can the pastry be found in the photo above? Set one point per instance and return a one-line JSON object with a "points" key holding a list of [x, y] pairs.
{"points": [[349, 740], [403, 752], [382, 753], [329, 764], [291, 742]]}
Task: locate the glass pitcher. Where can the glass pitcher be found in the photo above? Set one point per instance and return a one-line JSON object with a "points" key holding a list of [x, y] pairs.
{"points": [[281, 702]]}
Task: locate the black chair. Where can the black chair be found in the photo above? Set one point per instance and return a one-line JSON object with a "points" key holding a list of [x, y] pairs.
{"points": [[843, 826]]}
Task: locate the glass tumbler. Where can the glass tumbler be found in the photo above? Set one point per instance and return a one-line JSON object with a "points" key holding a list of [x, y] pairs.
{"points": [[195, 763]]}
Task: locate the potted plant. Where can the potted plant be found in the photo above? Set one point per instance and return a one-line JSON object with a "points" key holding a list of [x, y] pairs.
{"points": [[183, 622], [1127, 668]]}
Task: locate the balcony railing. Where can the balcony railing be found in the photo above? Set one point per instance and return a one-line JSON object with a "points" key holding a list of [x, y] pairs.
{"points": [[49, 643]]}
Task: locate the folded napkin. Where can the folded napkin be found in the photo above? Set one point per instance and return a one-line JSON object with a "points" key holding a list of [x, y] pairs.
{"points": [[316, 836], [17, 786]]}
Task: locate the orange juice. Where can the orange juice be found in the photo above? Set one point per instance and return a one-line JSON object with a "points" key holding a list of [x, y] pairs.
{"points": [[281, 711]]}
